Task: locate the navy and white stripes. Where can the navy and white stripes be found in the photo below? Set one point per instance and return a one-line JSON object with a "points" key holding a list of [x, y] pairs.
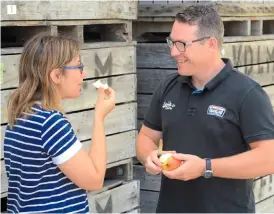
{"points": [[31, 151]]}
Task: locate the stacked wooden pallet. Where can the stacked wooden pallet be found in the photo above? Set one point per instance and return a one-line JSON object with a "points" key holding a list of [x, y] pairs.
{"points": [[108, 53], [248, 42]]}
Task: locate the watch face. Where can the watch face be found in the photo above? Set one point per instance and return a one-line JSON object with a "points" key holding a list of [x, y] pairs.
{"points": [[208, 174]]}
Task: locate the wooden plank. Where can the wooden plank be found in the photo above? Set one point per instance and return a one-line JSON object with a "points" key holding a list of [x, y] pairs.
{"points": [[77, 22], [265, 206], [117, 200], [170, 10], [62, 10], [148, 79], [86, 46], [134, 211], [82, 122], [263, 187], [4, 181], [98, 63], [116, 174], [149, 201], [245, 53], [262, 73], [119, 147], [125, 87], [143, 101], [270, 91], [147, 181]]}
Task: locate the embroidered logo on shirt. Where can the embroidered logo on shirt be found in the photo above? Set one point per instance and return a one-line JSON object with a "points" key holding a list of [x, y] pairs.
{"points": [[168, 105], [216, 110]]}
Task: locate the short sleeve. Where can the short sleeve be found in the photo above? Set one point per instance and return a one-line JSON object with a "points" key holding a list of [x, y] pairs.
{"points": [[256, 116], [59, 139], [153, 118]]}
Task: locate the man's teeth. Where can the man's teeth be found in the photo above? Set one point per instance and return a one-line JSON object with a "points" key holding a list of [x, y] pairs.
{"points": [[182, 61]]}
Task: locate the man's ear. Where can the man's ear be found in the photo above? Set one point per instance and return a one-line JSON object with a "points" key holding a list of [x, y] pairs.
{"points": [[56, 75], [213, 44]]}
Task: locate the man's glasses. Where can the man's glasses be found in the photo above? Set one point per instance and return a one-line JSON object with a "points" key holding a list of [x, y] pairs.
{"points": [[181, 46], [80, 67]]}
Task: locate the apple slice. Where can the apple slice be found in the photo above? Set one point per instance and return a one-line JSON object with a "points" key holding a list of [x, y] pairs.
{"points": [[99, 84], [168, 162]]}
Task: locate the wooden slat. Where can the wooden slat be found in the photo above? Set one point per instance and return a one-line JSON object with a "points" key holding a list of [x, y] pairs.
{"points": [[148, 202], [100, 62], [119, 147], [270, 92], [266, 206], [147, 181], [245, 53], [143, 101], [125, 87], [58, 10], [116, 200], [121, 119], [116, 174], [149, 199], [134, 211], [263, 187], [148, 79], [170, 10]]}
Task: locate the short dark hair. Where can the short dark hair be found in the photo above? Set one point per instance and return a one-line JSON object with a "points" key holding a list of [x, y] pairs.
{"points": [[206, 17]]}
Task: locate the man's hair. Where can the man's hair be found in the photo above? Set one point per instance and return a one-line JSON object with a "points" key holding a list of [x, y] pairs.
{"points": [[207, 19]]}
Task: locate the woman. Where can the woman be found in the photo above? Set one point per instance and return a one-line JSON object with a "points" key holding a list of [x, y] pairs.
{"points": [[47, 168]]}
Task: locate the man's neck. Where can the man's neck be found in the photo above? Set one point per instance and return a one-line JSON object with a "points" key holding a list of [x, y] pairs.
{"points": [[208, 72]]}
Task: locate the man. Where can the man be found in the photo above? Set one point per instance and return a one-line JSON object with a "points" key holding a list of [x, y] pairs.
{"points": [[218, 121]]}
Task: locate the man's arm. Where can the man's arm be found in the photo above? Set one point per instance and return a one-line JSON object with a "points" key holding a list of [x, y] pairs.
{"points": [[258, 161], [147, 141]]}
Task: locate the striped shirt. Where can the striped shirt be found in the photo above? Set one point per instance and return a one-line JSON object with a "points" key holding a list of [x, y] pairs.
{"points": [[32, 150]]}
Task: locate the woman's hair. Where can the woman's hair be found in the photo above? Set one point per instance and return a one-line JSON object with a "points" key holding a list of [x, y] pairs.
{"points": [[41, 54]]}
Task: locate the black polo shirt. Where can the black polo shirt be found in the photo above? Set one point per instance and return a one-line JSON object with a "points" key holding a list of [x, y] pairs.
{"points": [[217, 121]]}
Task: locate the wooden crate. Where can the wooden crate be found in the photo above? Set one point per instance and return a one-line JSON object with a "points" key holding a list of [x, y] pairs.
{"points": [[122, 198], [67, 10], [110, 58], [150, 186], [16, 33]]}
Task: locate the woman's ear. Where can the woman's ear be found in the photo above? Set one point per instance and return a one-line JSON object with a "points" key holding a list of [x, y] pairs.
{"points": [[55, 76]]}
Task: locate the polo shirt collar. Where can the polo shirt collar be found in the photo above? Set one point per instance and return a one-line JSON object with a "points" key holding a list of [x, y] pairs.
{"points": [[216, 80]]}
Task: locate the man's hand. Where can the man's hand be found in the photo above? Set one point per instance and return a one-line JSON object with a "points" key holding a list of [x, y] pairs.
{"points": [[153, 164], [191, 168]]}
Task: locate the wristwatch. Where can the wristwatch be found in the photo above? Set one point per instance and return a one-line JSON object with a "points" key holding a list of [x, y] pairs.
{"points": [[208, 173]]}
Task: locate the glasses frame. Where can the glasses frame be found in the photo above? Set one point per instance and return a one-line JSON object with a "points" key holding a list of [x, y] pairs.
{"points": [[186, 44], [80, 67]]}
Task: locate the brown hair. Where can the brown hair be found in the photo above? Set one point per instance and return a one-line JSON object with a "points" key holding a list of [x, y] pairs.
{"points": [[41, 54], [206, 17]]}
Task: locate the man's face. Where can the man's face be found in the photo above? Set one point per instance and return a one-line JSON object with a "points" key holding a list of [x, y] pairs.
{"points": [[191, 60]]}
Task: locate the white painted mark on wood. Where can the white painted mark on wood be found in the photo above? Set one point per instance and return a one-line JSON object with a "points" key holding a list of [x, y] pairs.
{"points": [[11, 9]]}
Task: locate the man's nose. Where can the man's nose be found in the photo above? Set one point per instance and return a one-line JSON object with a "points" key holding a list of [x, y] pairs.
{"points": [[174, 51]]}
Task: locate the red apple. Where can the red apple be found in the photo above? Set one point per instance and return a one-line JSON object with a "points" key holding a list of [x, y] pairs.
{"points": [[168, 162]]}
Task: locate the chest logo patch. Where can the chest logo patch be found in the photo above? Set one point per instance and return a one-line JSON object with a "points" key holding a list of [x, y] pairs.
{"points": [[216, 110], [168, 105]]}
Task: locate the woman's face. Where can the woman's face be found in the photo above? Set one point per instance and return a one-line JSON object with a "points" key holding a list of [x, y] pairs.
{"points": [[72, 79]]}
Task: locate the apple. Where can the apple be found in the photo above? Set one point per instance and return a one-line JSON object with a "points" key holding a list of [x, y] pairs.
{"points": [[168, 162]]}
